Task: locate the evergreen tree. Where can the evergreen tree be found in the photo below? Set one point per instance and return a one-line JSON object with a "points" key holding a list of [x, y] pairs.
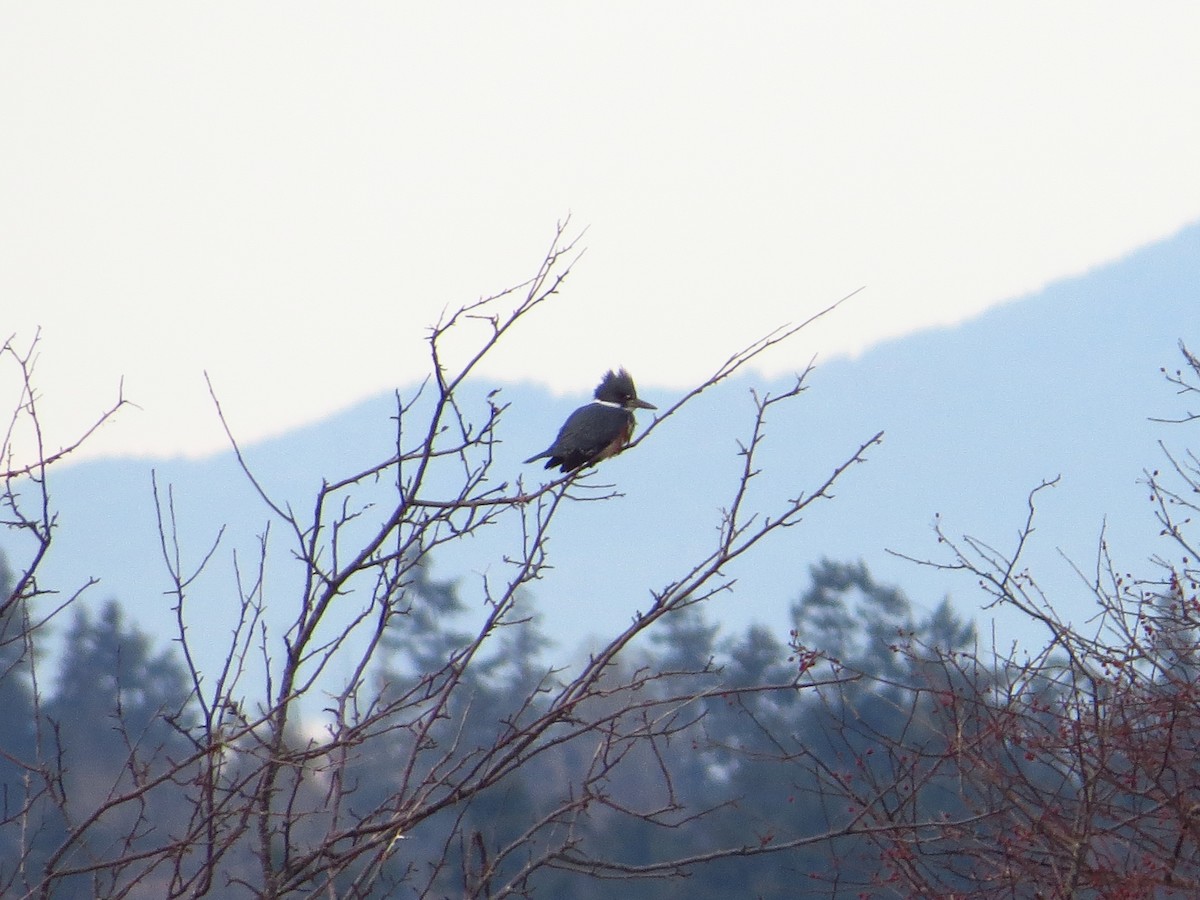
{"points": [[515, 668], [687, 642], [114, 721], [114, 690], [850, 618], [17, 722], [421, 635], [16, 690]]}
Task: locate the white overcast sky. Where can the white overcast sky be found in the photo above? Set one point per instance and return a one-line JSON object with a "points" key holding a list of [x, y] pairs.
{"points": [[287, 194]]}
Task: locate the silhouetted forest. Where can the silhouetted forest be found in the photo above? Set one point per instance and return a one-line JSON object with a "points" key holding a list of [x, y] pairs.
{"points": [[731, 747]]}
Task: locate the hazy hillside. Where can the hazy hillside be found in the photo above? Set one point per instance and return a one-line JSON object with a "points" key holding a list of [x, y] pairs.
{"points": [[1061, 382]]}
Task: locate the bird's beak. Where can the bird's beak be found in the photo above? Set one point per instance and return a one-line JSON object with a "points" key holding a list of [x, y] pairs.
{"points": [[642, 404]]}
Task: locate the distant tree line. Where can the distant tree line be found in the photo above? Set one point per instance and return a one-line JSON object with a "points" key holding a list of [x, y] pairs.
{"points": [[746, 735]]}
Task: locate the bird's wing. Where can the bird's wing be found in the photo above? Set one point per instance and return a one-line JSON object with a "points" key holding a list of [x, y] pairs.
{"points": [[589, 430]]}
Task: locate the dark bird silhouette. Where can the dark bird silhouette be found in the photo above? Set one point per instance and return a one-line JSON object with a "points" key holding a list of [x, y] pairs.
{"points": [[599, 430]]}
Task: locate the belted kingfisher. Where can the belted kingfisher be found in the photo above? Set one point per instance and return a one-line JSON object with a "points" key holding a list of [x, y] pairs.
{"points": [[599, 430]]}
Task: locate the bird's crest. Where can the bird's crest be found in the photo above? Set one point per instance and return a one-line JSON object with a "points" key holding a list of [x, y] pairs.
{"points": [[615, 387]]}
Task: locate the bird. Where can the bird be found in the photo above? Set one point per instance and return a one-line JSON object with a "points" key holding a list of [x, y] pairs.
{"points": [[598, 430]]}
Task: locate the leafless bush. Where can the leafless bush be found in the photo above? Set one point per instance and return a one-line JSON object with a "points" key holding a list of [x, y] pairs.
{"points": [[1068, 770], [410, 784]]}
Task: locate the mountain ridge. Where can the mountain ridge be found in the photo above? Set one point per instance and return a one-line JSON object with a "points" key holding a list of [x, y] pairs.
{"points": [[1058, 383]]}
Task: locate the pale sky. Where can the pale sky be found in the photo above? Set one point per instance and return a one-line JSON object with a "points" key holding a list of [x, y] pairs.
{"points": [[287, 194]]}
